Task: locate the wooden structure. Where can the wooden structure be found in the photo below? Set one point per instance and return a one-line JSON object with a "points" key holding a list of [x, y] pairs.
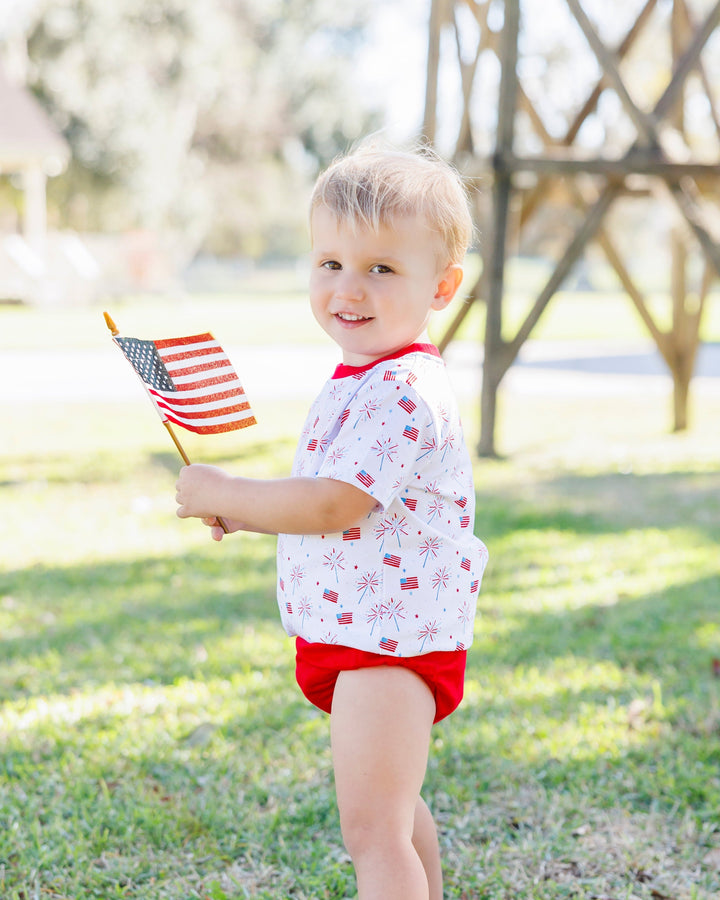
{"points": [[30, 146], [659, 162]]}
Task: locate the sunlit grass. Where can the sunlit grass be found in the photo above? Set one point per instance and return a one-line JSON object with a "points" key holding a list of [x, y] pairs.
{"points": [[153, 743], [267, 307]]}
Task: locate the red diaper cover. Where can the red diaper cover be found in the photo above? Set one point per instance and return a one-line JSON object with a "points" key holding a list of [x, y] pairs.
{"points": [[318, 666]]}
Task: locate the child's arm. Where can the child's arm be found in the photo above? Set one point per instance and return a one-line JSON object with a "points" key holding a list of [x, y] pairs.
{"points": [[287, 505]]}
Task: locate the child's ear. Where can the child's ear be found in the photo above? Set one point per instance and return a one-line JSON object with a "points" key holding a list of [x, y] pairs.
{"points": [[447, 286]]}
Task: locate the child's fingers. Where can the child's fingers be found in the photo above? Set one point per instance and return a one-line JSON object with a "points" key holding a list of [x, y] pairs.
{"points": [[216, 531]]}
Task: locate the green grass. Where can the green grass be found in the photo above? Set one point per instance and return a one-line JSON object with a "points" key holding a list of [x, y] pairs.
{"points": [[153, 743], [268, 307]]}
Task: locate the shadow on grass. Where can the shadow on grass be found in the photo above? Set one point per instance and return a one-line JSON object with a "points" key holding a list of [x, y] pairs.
{"points": [[155, 620], [660, 632], [149, 619], [256, 787], [603, 503], [108, 464]]}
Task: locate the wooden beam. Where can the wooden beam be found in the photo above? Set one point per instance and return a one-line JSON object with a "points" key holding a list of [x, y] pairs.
{"points": [[437, 17], [465, 143], [582, 236], [687, 62], [689, 28], [682, 193], [459, 317], [634, 162], [621, 51], [608, 63], [494, 367], [535, 197]]}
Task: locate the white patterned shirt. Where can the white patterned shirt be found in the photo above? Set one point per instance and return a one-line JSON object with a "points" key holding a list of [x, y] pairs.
{"points": [[404, 580]]}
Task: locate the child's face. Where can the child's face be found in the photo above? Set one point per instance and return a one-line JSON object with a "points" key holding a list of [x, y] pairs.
{"points": [[373, 292]]}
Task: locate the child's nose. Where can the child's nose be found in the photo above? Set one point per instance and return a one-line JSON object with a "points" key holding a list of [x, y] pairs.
{"points": [[349, 286]]}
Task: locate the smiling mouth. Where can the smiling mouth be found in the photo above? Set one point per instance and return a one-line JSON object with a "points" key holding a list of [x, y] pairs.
{"points": [[350, 317]]}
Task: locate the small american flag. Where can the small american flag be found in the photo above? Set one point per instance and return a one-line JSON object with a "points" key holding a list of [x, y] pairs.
{"points": [[461, 502], [391, 560], [388, 644], [365, 478], [352, 534], [288, 607], [464, 521], [474, 585], [465, 564], [409, 584], [407, 404], [344, 618], [411, 433], [192, 382], [410, 503], [332, 596], [312, 445]]}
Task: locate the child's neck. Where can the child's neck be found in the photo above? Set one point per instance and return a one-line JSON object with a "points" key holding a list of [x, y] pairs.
{"points": [[346, 369]]}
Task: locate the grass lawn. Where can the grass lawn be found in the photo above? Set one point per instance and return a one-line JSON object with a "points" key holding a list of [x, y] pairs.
{"points": [[153, 743]]}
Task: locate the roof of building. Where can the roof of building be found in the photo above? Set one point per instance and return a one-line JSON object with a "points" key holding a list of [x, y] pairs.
{"points": [[28, 137]]}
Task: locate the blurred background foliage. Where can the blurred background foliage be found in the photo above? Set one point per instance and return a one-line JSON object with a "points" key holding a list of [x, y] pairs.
{"points": [[207, 120]]}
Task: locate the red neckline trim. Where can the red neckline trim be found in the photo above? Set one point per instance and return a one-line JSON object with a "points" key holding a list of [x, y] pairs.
{"points": [[343, 371]]}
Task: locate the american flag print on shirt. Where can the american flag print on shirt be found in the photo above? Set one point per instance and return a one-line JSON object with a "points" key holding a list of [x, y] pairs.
{"points": [[409, 584], [192, 382], [409, 574], [364, 478], [388, 644]]}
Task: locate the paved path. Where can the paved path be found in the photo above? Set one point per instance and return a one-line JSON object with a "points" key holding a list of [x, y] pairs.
{"points": [[561, 368]]}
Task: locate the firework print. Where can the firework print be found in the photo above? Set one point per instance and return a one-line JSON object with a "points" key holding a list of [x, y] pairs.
{"points": [[405, 580]]}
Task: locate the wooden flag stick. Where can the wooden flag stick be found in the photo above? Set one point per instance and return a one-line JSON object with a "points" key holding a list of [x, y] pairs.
{"points": [[181, 451], [171, 431]]}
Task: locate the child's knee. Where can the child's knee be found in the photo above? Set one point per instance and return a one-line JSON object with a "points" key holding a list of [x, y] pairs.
{"points": [[369, 835], [357, 835]]}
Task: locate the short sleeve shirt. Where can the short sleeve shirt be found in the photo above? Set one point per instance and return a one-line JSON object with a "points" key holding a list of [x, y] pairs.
{"points": [[404, 580]]}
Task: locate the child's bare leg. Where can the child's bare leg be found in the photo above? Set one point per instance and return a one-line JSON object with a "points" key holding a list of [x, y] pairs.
{"points": [[380, 729], [425, 842]]}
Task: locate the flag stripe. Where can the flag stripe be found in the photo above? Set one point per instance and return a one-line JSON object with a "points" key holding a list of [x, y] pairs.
{"points": [[207, 383], [213, 429], [193, 339], [206, 420], [197, 398], [198, 350], [204, 360], [198, 376], [200, 389], [187, 373], [205, 411]]}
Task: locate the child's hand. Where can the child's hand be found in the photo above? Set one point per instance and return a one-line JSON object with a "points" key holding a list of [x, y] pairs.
{"points": [[200, 491], [216, 531]]}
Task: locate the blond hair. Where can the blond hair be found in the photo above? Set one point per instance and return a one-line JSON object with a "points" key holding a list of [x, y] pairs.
{"points": [[375, 183]]}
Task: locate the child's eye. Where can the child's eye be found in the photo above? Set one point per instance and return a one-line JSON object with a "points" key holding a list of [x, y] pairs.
{"points": [[381, 269], [332, 264]]}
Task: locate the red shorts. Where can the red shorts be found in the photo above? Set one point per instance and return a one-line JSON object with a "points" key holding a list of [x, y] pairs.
{"points": [[317, 667]]}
